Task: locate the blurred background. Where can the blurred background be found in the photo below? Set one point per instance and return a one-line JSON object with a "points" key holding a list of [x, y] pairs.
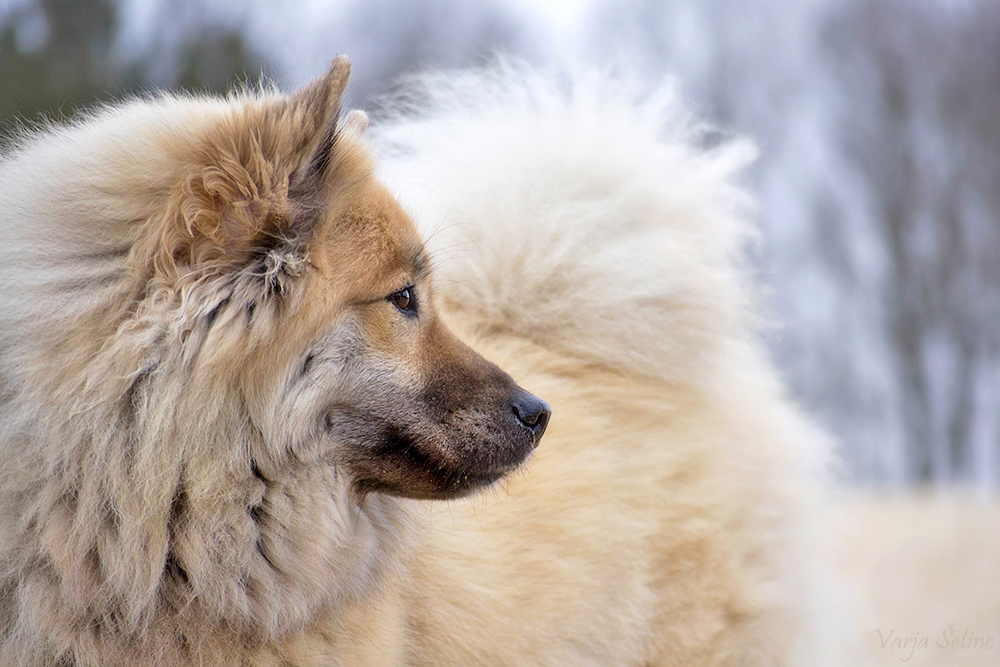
{"points": [[878, 183]]}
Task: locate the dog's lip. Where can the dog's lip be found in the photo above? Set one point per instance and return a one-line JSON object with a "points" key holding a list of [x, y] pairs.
{"points": [[475, 480], [480, 478], [462, 485], [454, 485], [486, 477]]}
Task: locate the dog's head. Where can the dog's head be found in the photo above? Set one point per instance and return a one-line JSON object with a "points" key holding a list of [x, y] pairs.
{"points": [[281, 227], [247, 369]]}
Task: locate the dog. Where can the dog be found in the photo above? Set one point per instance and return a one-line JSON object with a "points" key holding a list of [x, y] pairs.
{"points": [[237, 428]]}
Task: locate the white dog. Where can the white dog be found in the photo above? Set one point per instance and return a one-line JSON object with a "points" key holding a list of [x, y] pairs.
{"points": [[589, 243]]}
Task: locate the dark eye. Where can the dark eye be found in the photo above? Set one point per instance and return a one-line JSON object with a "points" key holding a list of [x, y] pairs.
{"points": [[405, 300]]}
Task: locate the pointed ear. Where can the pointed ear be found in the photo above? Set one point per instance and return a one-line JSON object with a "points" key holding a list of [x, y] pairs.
{"points": [[318, 103], [356, 122], [251, 193]]}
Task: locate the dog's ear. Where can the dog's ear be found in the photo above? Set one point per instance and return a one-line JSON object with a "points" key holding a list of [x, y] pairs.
{"points": [[251, 197], [318, 103]]}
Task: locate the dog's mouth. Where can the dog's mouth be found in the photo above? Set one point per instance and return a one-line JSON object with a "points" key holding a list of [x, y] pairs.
{"points": [[407, 466], [454, 485]]}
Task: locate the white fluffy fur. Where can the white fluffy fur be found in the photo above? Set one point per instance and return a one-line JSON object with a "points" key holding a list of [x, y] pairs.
{"points": [[587, 241]]}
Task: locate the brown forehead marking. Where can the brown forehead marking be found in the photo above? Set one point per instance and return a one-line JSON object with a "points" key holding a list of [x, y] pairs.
{"points": [[368, 246], [365, 233]]}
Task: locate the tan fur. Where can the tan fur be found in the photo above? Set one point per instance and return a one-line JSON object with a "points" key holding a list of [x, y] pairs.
{"points": [[191, 287]]}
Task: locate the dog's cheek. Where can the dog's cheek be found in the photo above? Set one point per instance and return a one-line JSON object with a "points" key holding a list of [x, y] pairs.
{"points": [[376, 417], [323, 375]]}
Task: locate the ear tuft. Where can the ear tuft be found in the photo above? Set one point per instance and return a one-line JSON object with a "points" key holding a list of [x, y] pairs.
{"points": [[337, 75], [231, 204], [222, 215], [281, 265]]}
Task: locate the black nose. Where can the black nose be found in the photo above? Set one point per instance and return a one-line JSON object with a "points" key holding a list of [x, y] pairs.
{"points": [[531, 411]]}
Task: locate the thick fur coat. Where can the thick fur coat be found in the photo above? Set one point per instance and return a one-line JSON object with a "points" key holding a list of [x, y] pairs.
{"points": [[589, 243], [180, 301]]}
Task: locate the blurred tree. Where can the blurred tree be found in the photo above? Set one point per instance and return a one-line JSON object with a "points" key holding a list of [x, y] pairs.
{"points": [[387, 39], [70, 68], [57, 56], [924, 131]]}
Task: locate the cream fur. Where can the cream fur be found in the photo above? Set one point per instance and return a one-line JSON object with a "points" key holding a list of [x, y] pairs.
{"points": [[672, 514]]}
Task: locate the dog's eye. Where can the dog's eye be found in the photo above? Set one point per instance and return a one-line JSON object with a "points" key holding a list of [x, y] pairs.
{"points": [[405, 300]]}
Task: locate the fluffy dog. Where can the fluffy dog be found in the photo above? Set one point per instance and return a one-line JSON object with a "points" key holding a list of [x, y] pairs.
{"points": [[591, 244], [229, 409]]}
